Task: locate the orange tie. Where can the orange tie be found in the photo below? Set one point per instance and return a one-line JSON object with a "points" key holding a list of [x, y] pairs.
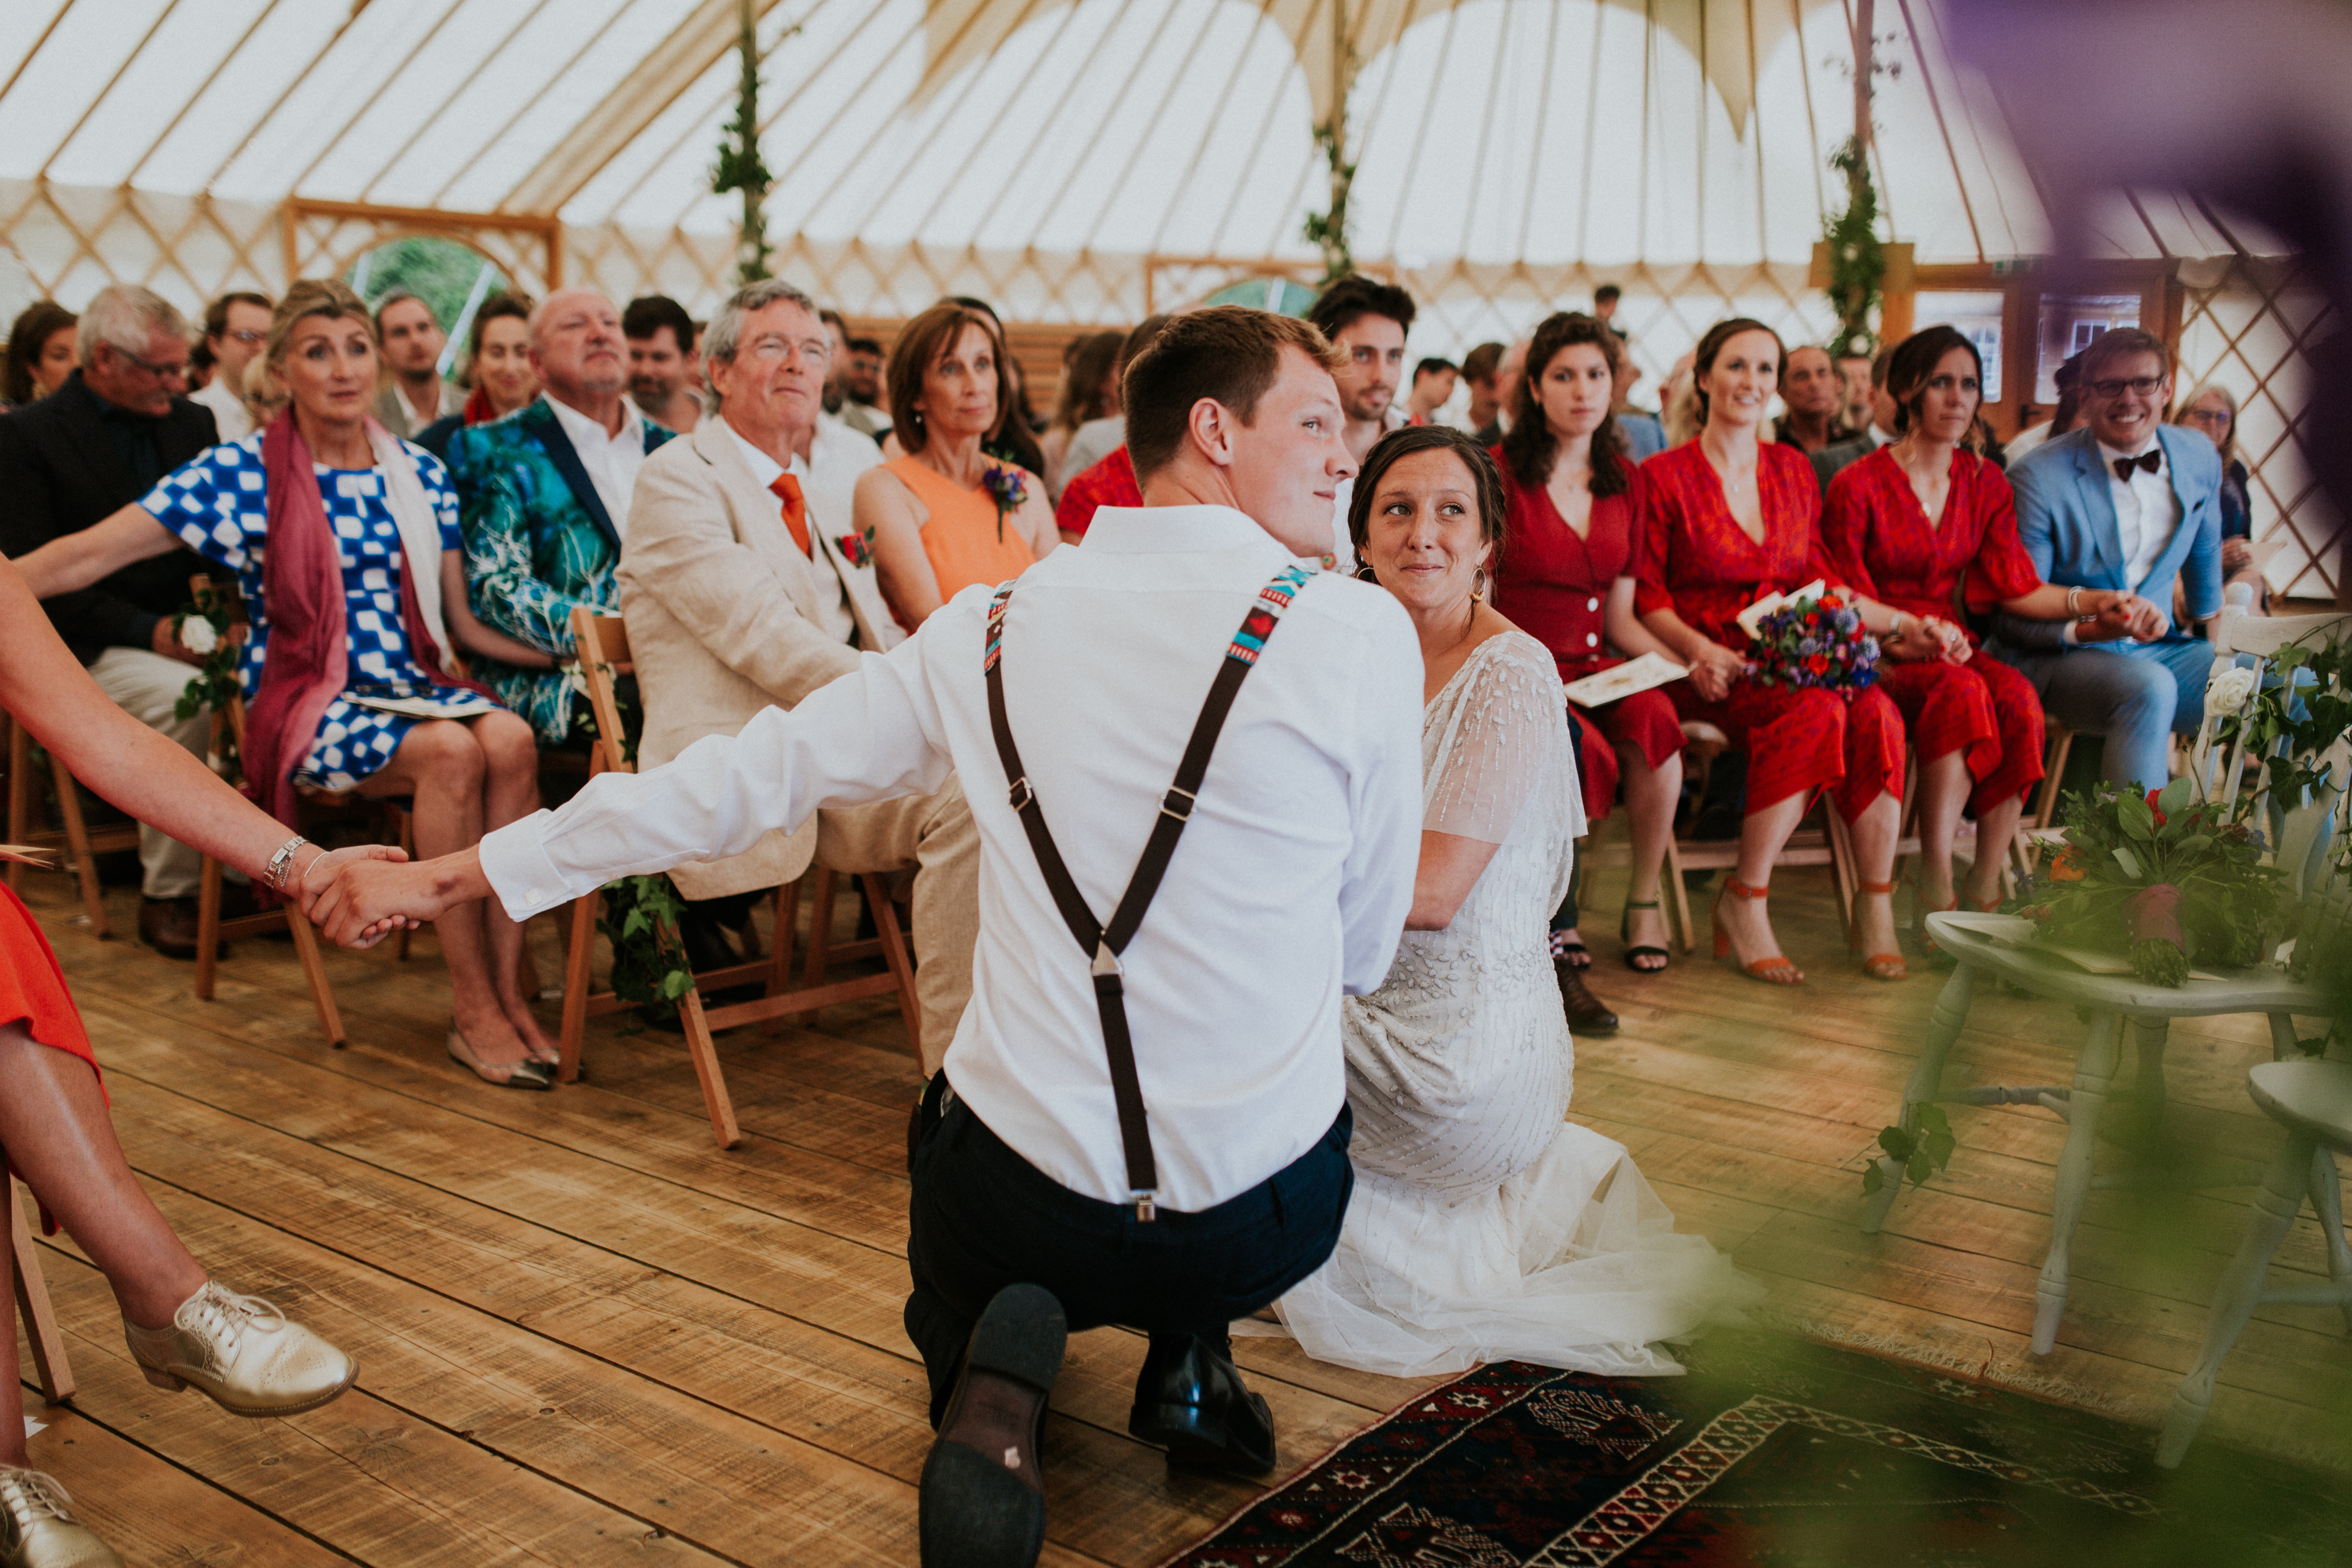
{"points": [[788, 491]]}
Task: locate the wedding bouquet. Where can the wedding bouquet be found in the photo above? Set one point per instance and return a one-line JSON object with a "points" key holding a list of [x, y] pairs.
{"points": [[1814, 641]]}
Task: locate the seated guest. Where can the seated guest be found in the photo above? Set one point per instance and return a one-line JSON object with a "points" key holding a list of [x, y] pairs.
{"points": [[1109, 480], [1484, 1227], [1367, 321], [543, 499], [1434, 380], [1644, 434], [936, 518], [861, 389], [412, 340], [499, 368], [1726, 519], [1573, 500], [1013, 441], [1814, 394], [1855, 371], [2127, 503], [1089, 392], [41, 353], [664, 374], [345, 540], [234, 328], [1913, 525], [2212, 409], [745, 591], [100, 441], [2067, 415], [1291, 884], [1480, 373], [1099, 439], [1875, 432]]}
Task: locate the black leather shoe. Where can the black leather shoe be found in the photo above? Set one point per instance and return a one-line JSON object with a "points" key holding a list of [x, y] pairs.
{"points": [[169, 926], [983, 1495], [1194, 1403], [1587, 1013]]}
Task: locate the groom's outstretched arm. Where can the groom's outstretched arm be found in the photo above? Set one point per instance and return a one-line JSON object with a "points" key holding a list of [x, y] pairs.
{"points": [[874, 734]]}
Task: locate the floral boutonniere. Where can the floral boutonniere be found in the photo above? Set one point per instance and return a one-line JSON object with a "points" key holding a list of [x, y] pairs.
{"points": [[1006, 489], [857, 548]]}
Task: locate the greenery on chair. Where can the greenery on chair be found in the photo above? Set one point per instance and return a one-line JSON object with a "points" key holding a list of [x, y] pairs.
{"points": [[204, 628]]}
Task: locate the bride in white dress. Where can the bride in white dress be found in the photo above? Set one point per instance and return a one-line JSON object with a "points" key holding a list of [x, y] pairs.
{"points": [[1484, 1226]]}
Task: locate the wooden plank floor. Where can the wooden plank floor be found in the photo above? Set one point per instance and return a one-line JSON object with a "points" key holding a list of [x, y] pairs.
{"points": [[588, 1336]]}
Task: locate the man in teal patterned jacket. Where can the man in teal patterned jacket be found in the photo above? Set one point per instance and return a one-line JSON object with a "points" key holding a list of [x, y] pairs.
{"points": [[543, 500]]}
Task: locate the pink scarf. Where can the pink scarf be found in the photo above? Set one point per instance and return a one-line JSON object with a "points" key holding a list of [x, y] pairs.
{"points": [[302, 594]]}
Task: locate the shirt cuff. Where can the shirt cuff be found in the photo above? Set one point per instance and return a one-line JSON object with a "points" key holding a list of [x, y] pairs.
{"points": [[515, 861], [2066, 635]]}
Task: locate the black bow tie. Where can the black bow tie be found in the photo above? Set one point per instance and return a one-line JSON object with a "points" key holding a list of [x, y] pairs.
{"points": [[2151, 460]]}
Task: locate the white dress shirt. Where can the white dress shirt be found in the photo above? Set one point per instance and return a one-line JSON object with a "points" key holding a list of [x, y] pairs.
{"points": [[1290, 886], [838, 622], [229, 412], [612, 460], [2147, 514], [837, 454]]}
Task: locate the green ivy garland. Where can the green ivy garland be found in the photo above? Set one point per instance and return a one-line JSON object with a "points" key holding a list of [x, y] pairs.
{"points": [[1329, 230], [639, 915], [739, 166], [1857, 257]]}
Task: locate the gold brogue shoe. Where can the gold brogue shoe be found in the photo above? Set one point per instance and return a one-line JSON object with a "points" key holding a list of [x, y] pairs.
{"points": [[241, 1351], [37, 1530]]}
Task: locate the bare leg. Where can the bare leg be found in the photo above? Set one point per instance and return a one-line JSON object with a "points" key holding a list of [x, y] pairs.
{"points": [[54, 1125], [442, 765], [1943, 790], [1995, 830], [1650, 797], [1874, 834], [1762, 835], [509, 794]]}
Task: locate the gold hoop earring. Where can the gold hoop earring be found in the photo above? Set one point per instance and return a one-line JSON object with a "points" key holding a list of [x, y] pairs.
{"points": [[1478, 585]]}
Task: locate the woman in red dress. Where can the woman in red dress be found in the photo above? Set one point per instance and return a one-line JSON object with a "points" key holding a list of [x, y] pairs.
{"points": [[1726, 519], [1573, 500], [182, 1327], [1916, 525]]}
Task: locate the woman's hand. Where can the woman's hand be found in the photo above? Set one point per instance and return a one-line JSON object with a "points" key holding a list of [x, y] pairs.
{"points": [[1713, 670], [368, 898], [319, 874], [1932, 637]]}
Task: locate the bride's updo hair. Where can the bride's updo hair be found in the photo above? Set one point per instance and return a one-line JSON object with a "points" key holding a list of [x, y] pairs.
{"points": [[1484, 478]]}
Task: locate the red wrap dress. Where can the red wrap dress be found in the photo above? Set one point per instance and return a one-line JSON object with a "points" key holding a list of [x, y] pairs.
{"points": [[1884, 545], [32, 988], [1554, 586], [1696, 560]]}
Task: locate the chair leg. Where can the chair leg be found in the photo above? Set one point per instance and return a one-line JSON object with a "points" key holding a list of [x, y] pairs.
{"points": [[575, 983], [705, 1054], [780, 951], [1944, 1027], [820, 944], [2095, 1069], [40, 1320], [208, 918], [93, 898], [2238, 1293], [314, 970], [893, 949]]}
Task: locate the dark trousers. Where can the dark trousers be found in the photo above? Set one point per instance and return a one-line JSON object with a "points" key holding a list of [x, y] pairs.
{"points": [[983, 1219]]}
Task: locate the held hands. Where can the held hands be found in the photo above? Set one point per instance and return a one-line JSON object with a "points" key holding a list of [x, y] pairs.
{"points": [[1929, 638], [1713, 669], [367, 899], [2119, 614], [321, 875]]}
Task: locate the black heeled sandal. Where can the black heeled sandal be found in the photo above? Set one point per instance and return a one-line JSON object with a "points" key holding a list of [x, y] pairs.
{"points": [[1624, 933]]}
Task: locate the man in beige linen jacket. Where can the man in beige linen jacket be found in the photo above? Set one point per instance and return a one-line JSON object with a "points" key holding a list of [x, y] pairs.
{"points": [[731, 612]]}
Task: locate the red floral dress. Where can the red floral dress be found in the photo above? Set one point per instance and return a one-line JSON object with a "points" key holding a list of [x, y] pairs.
{"points": [[1554, 586], [1696, 560], [1883, 545]]}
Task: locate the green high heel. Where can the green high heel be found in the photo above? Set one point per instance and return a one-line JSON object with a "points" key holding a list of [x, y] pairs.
{"points": [[1624, 933]]}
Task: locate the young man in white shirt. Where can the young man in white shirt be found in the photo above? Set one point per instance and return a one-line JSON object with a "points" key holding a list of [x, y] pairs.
{"points": [[1366, 322], [412, 340], [1290, 888], [235, 325]]}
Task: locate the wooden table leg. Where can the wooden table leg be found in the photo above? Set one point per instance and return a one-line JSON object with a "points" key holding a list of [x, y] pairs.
{"points": [[1943, 1029], [2094, 1070]]}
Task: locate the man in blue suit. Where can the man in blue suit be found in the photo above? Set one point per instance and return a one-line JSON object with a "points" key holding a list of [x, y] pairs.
{"points": [[2125, 502]]}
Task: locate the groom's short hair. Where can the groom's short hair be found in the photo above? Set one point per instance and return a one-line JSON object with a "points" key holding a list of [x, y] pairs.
{"points": [[1230, 353]]}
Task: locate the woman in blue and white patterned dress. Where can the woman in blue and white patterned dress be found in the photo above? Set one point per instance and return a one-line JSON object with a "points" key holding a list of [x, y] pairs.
{"points": [[470, 764]]}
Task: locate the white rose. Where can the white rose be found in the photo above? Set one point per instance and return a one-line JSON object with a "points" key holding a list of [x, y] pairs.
{"points": [[2227, 693], [198, 634]]}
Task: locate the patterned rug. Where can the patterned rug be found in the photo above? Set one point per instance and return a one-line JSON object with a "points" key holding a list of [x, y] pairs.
{"points": [[1773, 1451]]}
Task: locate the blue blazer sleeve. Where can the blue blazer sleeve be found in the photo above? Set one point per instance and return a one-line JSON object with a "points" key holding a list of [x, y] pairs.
{"points": [[2201, 572], [2037, 487]]}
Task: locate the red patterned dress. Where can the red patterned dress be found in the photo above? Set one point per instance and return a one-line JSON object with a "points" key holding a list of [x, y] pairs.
{"points": [[1554, 586], [1883, 545], [1696, 560]]}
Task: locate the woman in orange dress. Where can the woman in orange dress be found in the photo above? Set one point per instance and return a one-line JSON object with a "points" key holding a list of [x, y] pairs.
{"points": [[1726, 519], [946, 515], [183, 1326]]}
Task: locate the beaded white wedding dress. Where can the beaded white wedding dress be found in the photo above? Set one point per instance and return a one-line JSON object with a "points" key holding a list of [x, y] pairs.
{"points": [[1484, 1226]]}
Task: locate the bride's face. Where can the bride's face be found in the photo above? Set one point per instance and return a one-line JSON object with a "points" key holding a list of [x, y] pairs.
{"points": [[1424, 540]]}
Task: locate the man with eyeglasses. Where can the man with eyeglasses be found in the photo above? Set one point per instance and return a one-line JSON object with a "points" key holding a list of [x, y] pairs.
{"points": [[747, 588], [2128, 502], [1366, 322], [235, 326], [121, 422]]}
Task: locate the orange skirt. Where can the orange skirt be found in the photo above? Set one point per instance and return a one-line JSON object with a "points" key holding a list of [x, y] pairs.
{"points": [[32, 988]]}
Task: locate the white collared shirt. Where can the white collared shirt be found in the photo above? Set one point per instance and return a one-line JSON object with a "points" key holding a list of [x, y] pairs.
{"points": [[230, 415], [838, 622], [611, 460], [1290, 886], [2147, 513]]}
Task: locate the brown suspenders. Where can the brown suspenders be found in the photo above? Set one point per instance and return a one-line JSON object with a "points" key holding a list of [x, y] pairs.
{"points": [[1104, 943]]}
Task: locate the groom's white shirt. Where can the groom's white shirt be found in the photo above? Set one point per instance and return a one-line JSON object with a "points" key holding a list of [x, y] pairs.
{"points": [[1289, 887]]}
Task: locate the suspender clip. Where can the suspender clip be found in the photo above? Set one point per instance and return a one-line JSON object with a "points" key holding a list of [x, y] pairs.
{"points": [[1146, 1209], [1178, 804], [1022, 795], [1106, 961]]}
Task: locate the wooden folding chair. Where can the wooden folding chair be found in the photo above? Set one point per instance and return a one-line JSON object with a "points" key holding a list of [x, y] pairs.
{"points": [[74, 836], [33, 1308], [603, 646]]}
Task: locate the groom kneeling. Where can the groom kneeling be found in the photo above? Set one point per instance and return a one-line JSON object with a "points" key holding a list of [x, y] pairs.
{"points": [[1151, 1134]]}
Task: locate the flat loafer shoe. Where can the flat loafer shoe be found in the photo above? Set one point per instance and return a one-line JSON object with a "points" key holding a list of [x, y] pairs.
{"points": [[983, 1492], [38, 1530], [1196, 1406], [243, 1354]]}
